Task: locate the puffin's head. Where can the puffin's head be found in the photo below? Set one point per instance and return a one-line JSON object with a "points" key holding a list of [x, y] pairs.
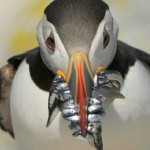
{"points": [[77, 39]]}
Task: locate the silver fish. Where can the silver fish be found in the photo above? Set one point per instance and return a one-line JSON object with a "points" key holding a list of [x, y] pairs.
{"points": [[106, 88], [92, 127], [94, 108], [69, 112], [74, 118], [94, 101], [107, 95], [67, 105], [94, 118]]}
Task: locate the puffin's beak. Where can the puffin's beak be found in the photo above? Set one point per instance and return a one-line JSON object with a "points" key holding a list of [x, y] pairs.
{"points": [[80, 82]]}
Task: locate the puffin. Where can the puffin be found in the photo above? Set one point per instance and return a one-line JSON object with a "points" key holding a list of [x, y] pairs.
{"points": [[78, 40]]}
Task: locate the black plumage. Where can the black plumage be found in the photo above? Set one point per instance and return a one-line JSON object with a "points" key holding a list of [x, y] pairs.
{"points": [[126, 57], [40, 74]]}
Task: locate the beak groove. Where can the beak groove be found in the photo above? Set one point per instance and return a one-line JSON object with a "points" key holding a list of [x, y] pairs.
{"points": [[81, 98]]}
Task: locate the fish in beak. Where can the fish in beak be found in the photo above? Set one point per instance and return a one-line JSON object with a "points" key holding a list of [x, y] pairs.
{"points": [[80, 82], [80, 95]]}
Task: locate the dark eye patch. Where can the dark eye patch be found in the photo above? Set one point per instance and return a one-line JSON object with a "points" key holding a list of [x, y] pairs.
{"points": [[106, 38], [50, 42]]}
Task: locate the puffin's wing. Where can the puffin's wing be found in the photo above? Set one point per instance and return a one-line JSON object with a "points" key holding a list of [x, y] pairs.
{"points": [[7, 74], [126, 56], [133, 53]]}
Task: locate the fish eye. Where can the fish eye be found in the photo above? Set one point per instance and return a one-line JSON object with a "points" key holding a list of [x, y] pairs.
{"points": [[106, 38]]}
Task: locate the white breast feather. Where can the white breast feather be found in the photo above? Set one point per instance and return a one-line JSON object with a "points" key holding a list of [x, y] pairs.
{"points": [[29, 110], [127, 122]]}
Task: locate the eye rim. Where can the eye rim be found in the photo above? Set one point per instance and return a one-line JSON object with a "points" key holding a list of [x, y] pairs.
{"points": [[50, 42], [106, 38]]}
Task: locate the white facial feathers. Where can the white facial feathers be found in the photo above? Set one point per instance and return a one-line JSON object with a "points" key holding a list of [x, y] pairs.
{"points": [[57, 59], [98, 54]]}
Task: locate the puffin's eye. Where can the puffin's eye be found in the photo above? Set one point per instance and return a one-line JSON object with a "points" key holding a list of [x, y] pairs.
{"points": [[50, 42], [106, 38]]}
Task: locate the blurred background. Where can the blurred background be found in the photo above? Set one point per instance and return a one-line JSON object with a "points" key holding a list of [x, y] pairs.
{"points": [[18, 21]]}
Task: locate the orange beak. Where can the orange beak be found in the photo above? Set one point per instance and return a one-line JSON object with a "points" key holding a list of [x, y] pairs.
{"points": [[80, 82]]}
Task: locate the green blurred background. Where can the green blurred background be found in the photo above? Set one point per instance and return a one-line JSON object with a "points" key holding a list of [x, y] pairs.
{"points": [[18, 21]]}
